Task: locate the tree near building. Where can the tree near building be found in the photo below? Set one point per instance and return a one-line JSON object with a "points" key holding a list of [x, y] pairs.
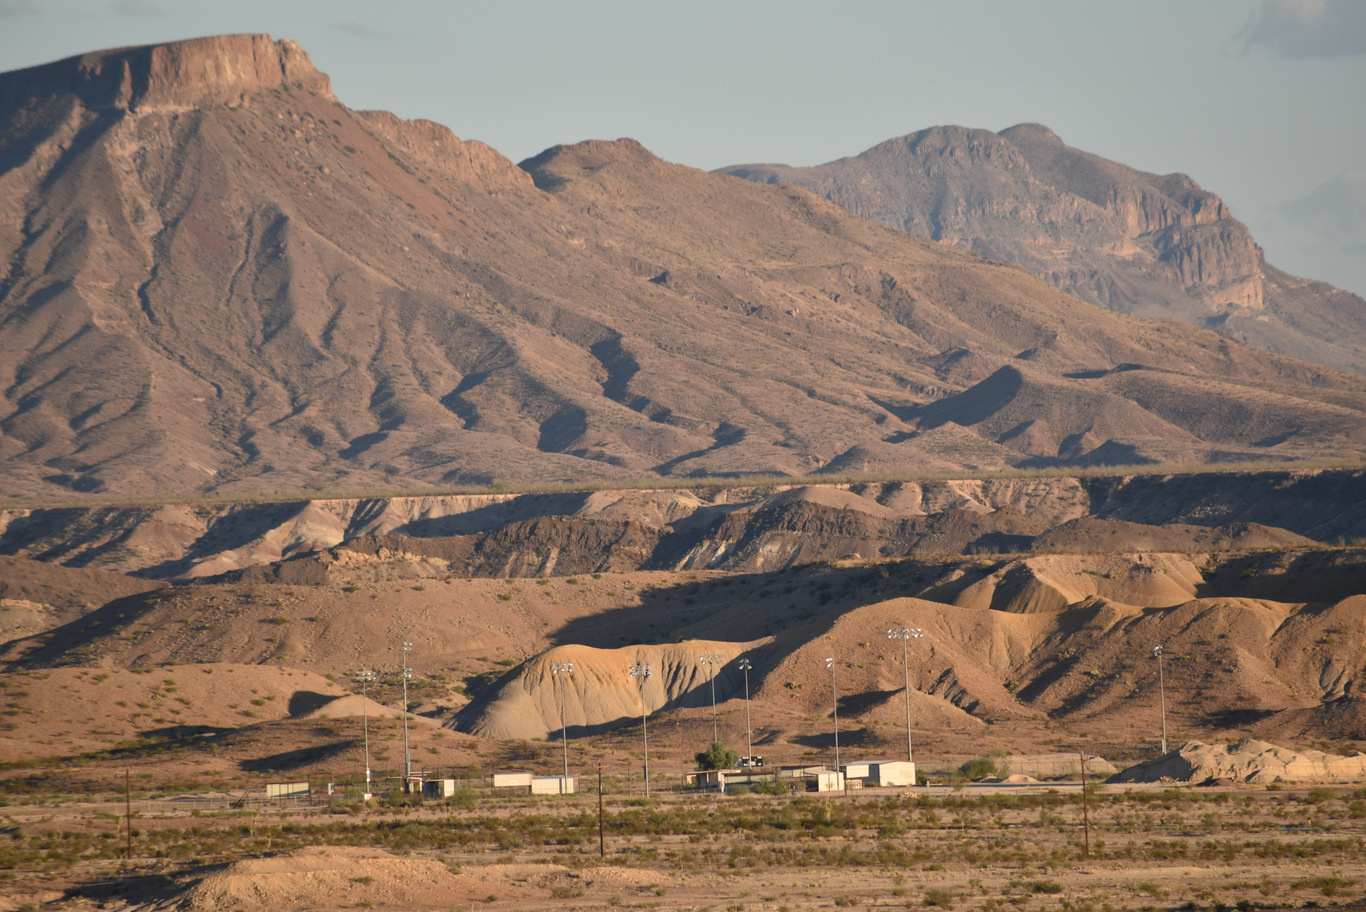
{"points": [[717, 757]]}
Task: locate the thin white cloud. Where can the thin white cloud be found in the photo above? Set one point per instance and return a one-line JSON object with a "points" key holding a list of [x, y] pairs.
{"points": [[138, 9], [1308, 28]]}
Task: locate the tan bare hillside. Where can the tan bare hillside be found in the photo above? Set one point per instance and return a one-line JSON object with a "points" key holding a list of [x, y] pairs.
{"points": [[1149, 244], [220, 278], [1020, 651]]}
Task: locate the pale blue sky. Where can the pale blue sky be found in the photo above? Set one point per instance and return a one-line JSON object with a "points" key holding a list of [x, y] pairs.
{"points": [[1261, 101]]}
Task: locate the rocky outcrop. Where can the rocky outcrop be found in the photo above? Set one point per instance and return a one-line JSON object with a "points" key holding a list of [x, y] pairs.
{"points": [[437, 146], [222, 69]]}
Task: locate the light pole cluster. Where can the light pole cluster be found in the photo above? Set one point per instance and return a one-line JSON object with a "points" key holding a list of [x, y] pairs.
{"points": [[641, 672]]}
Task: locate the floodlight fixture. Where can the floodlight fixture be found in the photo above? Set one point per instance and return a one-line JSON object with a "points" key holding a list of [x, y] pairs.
{"points": [[565, 668], [745, 666], [835, 700], [905, 635], [713, 660], [640, 673], [1161, 693]]}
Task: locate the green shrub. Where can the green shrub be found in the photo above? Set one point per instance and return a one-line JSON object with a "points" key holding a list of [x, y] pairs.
{"points": [[717, 757], [983, 768]]}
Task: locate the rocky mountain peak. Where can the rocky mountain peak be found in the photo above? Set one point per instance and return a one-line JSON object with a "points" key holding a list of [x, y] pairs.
{"points": [[221, 69], [1031, 133]]}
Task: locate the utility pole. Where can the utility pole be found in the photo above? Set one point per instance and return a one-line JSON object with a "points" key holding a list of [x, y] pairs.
{"points": [[128, 806], [407, 756], [1085, 807], [835, 699], [1161, 694]]}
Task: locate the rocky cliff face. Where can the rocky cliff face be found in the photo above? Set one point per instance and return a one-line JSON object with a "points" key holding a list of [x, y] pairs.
{"points": [[218, 70], [1146, 244]]}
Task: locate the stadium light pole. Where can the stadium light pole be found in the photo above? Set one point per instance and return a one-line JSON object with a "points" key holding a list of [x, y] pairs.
{"points": [[749, 737], [365, 678], [407, 756], [566, 668], [640, 673], [905, 635], [835, 700], [713, 660], [1161, 694]]}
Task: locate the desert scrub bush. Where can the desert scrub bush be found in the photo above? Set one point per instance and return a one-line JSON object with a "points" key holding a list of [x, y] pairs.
{"points": [[937, 896], [983, 768]]}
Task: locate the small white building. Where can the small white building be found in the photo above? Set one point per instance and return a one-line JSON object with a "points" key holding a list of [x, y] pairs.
{"points": [[888, 773], [858, 770], [825, 780], [438, 788], [512, 780], [552, 785]]}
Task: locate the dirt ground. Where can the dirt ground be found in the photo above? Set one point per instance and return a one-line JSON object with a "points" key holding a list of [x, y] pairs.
{"points": [[977, 847]]}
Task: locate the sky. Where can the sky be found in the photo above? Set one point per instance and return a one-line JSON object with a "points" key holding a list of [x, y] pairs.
{"points": [[1260, 101]]}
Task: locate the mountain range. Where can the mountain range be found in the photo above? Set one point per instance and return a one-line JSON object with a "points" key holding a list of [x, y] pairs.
{"points": [[1146, 244], [219, 278]]}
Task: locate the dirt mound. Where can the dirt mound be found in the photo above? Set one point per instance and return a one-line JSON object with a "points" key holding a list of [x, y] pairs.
{"points": [[341, 878], [1250, 761], [600, 692], [352, 706]]}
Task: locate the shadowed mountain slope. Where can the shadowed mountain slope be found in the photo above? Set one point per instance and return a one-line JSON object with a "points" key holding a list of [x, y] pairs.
{"points": [[219, 278], [1146, 244]]}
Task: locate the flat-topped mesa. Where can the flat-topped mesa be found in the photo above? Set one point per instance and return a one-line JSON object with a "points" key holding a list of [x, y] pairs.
{"points": [[222, 69]]}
